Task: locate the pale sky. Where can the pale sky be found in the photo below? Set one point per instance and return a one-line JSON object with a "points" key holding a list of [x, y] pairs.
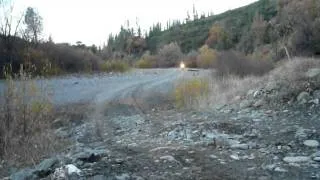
{"points": [[91, 21]]}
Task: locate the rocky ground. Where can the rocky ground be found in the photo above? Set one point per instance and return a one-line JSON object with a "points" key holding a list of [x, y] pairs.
{"points": [[245, 140]]}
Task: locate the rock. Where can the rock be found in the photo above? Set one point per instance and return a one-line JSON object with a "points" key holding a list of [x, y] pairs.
{"points": [[119, 161], [314, 101], [240, 146], [212, 156], [258, 93], [99, 177], [69, 171], [301, 133], [316, 154], [271, 86], [296, 159], [72, 169], [124, 176], [311, 143], [303, 98], [251, 92], [316, 159], [24, 174], [313, 73], [279, 169], [168, 158], [90, 155], [316, 94], [245, 104], [46, 167], [269, 167], [259, 103], [235, 157]]}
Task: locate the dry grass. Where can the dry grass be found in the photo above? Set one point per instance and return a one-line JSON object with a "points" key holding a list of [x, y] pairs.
{"points": [[189, 93], [25, 112], [229, 89], [288, 78], [115, 66]]}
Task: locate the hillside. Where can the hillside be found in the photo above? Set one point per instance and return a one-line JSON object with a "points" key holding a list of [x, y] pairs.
{"points": [[265, 30], [192, 35]]}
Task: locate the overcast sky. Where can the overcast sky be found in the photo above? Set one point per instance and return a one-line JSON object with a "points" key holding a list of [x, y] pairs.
{"points": [[90, 21]]}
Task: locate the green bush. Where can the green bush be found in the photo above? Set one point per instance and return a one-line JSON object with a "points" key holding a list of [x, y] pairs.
{"points": [[115, 66], [190, 93], [206, 57], [147, 61]]}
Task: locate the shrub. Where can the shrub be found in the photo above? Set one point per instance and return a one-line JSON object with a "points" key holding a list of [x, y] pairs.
{"points": [[25, 112], [235, 63], [206, 57], [190, 93], [115, 66], [146, 61], [191, 59], [287, 81], [169, 55]]}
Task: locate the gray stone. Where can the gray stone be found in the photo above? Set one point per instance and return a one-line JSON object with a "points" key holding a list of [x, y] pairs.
{"points": [[99, 177], [271, 86], [258, 93], [311, 143], [46, 167], [90, 155], [235, 157], [296, 159], [316, 94], [303, 98], [316, 159], [301, 133], [279, 169], [245, 104], [316, 154], [167, 158], [313, 73], [240, 146], [24, 174], [123, 177], [259, 103], [314, 101]]}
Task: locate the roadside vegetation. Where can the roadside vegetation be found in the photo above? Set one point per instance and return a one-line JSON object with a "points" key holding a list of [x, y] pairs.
{"points": [[190, 93], [26, 113]]}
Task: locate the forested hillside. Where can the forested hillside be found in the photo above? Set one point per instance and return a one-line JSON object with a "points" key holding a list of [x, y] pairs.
{"points": [[267, 29]]}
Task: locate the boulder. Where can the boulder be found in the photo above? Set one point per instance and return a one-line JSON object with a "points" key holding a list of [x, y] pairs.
{"points": [[316, 94], [124, 176], [24, 174], [311, 143], [99, 177], [259, 103], [46, 167], [69, 171], [296, 159], [303, 98], [313, 73], [240, 146], [245, 104], [90, 155]]}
